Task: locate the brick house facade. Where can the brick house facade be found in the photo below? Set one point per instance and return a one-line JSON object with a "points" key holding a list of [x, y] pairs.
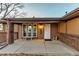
{"points": [[65, 28]]}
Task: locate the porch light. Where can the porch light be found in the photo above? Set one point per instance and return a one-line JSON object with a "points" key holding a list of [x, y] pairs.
{"points": [[40, 26]]}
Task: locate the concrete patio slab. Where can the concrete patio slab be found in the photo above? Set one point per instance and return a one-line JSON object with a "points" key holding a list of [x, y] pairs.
{"points": [[40, 47]]}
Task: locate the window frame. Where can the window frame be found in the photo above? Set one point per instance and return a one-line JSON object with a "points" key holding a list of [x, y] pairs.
{"points": [[1, 27]]}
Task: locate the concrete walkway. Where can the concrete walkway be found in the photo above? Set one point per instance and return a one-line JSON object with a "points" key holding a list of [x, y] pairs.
{"points": [[40, 47]]}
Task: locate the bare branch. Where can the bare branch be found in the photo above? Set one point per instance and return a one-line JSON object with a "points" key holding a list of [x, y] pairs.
{"points": [[5, 12], [10, 10], [1, 7], [7, 8]]}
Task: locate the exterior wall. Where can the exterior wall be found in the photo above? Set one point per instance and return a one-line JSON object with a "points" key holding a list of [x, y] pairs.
{"points": [[71, 37], [62, 27], [3, 36], [15, 27], [54, 30], [70, 40], [40, 32], [20, 31], [5, 27], [73, 26], [16, 31], [3, 33]]}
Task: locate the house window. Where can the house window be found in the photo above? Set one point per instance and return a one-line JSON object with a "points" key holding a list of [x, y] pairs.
{"points": [[30, 30], [1, 26]]}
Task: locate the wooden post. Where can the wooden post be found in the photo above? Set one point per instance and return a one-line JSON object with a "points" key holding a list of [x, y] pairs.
{"points": [[10, 32]]}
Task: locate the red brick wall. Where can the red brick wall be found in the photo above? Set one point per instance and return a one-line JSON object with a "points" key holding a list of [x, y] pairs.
{"points": [[15, 35], [19, 31], [71, 40], [54, 30], [15, 30], [2, 36]]}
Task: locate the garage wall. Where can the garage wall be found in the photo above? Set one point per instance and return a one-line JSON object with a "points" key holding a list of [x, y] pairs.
{"points": [[71, 35], [54, 30], [73, 26], [62, 27]]}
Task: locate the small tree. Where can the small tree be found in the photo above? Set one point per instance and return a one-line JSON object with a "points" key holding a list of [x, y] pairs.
{"points": [[7, 8]]}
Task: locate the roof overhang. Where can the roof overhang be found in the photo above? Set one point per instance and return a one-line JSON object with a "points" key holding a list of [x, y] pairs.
{"points": [[71, 15], [33, 20]]}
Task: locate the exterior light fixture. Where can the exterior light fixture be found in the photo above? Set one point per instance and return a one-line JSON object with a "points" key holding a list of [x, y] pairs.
{"points": [[40, 26]]}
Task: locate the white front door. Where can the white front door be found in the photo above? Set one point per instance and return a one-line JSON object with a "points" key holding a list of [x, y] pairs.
{"points": [[47, 32]]}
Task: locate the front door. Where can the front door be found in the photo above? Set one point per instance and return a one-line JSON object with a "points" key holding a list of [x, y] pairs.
{"points": [[47, 32]]}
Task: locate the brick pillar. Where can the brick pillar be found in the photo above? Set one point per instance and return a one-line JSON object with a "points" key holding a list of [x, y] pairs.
{"points": [[10, 32]]}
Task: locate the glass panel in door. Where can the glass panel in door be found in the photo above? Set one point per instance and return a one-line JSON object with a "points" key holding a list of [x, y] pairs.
{"points": [[24, 30], [29, 32], [34, 30]]}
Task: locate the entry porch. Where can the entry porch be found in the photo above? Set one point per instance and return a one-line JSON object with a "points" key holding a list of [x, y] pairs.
{"points": [[39, 47], [36, 28], [31, 29]]}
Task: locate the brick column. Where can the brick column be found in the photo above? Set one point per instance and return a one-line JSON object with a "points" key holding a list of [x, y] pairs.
{"points": [[10, 32]]}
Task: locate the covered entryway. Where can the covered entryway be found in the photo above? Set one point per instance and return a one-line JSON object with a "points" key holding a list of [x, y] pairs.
{"points": [[37, 28], [39, 31]]}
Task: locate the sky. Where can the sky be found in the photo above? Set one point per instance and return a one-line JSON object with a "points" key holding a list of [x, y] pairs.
{"points": [[48, 9]]}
